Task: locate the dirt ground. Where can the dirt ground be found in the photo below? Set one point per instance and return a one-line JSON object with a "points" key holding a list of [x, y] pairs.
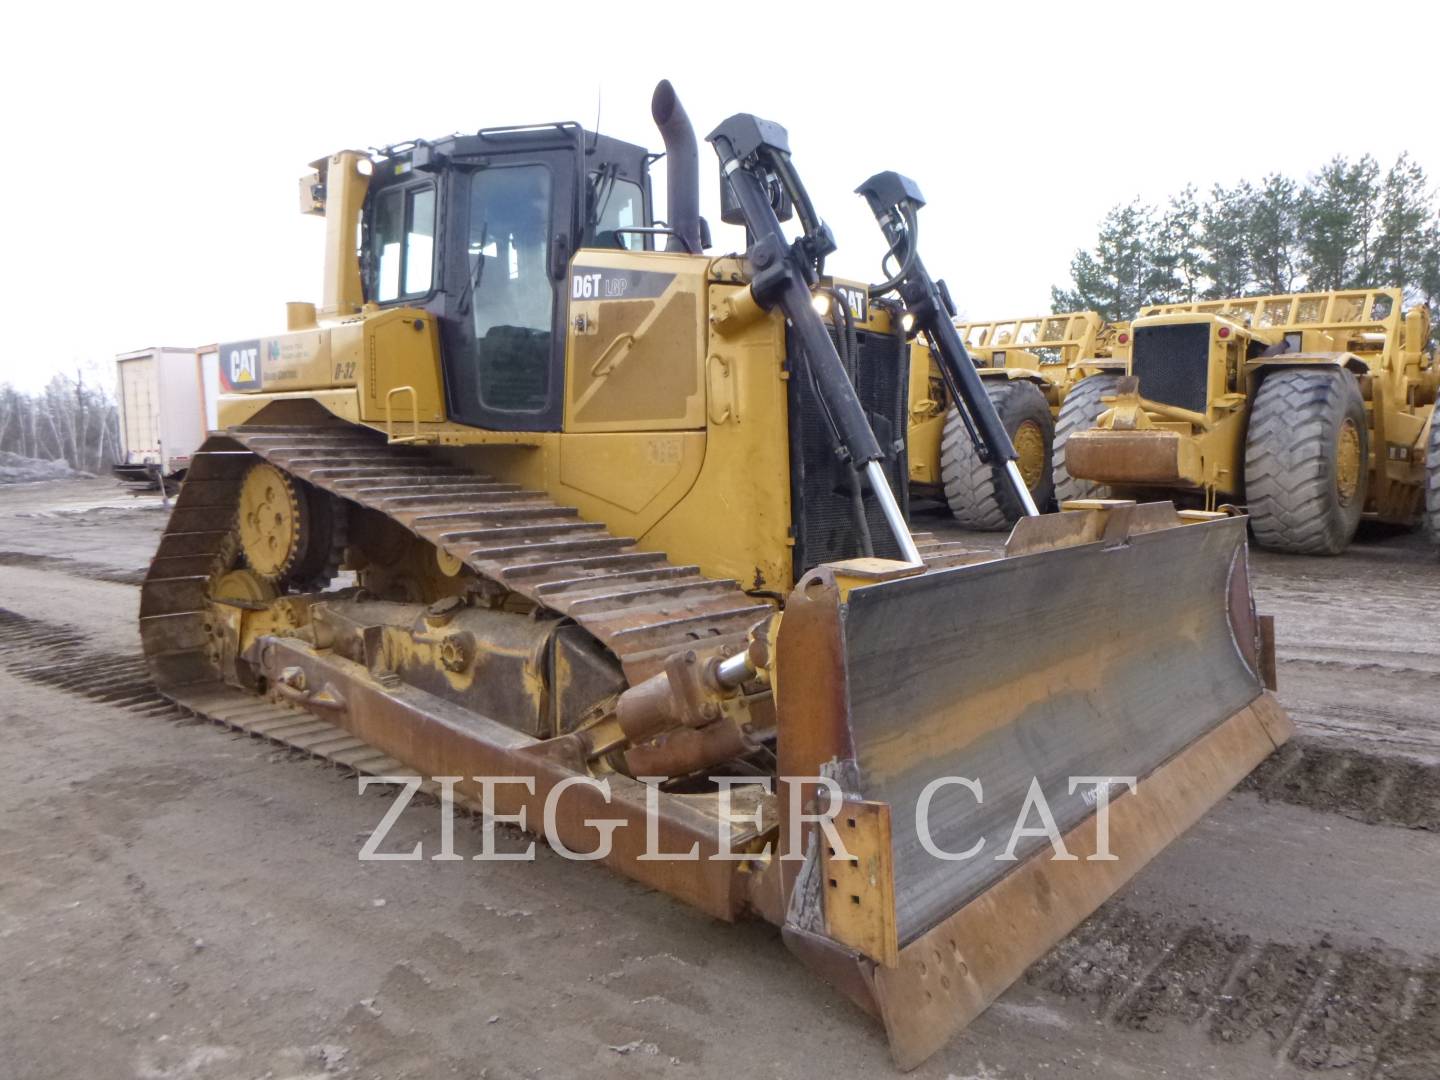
{"points": [[180, 902]]}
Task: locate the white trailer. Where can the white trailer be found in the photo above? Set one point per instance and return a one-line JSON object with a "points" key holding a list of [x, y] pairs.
{"points": [[167, 404]]}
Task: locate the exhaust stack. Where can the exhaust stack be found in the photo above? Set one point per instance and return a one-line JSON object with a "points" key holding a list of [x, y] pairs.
{"points": [[682, 168]]}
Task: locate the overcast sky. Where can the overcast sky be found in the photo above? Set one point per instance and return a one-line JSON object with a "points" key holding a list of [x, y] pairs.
{"points": [[154, 151]]}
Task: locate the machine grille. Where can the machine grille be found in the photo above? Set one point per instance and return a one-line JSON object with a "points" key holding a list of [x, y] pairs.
{"points": [[821, 492], [1173, 364]]}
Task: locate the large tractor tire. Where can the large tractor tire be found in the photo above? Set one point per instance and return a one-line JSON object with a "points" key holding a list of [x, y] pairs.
{"points": [[1432, 479], [1307, 461], [979, 493], [1079, 411]]}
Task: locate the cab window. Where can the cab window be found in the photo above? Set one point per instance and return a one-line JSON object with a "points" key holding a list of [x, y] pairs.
{"points": [[619, 204], [402, 243]]}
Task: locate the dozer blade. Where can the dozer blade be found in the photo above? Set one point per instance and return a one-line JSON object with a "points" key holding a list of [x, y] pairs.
{"points": [[1115, 642]]}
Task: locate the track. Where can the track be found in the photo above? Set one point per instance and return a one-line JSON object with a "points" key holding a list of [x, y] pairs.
{"points": [[56, 656], [637, 603]]}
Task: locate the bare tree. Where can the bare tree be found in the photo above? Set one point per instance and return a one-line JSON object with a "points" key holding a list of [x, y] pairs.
{"points": [[70, 419]]}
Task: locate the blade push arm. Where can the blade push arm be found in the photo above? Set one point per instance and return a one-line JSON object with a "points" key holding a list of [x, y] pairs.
{"points": [[754, 156], [894, 199]]}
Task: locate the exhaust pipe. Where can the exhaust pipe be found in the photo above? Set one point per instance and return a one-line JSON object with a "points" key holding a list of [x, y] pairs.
{"points": [[682, 168]]}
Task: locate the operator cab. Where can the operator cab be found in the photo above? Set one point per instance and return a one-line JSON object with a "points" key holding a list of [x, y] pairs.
{"points": [[479, 230]]}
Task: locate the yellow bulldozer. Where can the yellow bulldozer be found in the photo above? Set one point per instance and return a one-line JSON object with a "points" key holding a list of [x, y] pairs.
{"points": [[1028, 366], [1314, 410], [529, 498]]}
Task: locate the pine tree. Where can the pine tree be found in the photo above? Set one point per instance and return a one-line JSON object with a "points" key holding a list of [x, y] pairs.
{"points": [[1347, 227], [1337, 222], [1403, 243], [1275, 249], [1116, 279], [1430, 276], [1177, 262], [1365, 195], [1225, 240]]}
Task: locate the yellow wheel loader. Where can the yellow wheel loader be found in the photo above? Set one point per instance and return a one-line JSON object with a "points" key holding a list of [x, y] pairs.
{"points": [[1314, 410], [616, 536], [1028, 367]]}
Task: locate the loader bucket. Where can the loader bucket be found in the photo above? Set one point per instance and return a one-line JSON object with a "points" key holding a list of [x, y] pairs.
{"points": [[1113, 642]]}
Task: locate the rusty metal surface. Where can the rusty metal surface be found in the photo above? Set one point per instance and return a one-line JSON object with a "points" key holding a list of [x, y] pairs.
{"points": [[435, 737], [1125, 457], [859, 887], [288, 726], [947, 976], [1131, 655], [1269, 675]]}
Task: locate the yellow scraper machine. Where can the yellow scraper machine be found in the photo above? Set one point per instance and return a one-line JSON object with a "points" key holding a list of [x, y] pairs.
{"points": [[528, 497], [1030, 367], [1313, 409]]}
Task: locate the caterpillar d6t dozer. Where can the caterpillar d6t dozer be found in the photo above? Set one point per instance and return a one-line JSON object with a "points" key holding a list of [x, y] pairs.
{"points": [[529, 499], [1028, 367], [1312, 409]]}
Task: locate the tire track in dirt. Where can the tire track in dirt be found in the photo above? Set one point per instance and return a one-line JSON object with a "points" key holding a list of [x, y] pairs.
{"points": [[1378, 789], [1316, 1005], [56, 655], [74, 567]]}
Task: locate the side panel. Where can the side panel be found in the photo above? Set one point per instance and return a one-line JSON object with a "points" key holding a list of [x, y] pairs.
{"points": [[400, 371], [139, 409], [925, 438], [181, 406], [210, 378], [735, 521], [635, 344], [637, 477]]}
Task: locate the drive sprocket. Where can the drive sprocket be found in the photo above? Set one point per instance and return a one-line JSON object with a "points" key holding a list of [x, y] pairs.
{"points": [[289, 532], [272, 521]]}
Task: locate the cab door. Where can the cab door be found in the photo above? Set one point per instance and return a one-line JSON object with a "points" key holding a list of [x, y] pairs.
{"points": [[504, 338]]}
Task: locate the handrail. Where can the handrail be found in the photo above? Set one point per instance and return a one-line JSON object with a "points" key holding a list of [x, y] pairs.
{"points": [[416, 435]]}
